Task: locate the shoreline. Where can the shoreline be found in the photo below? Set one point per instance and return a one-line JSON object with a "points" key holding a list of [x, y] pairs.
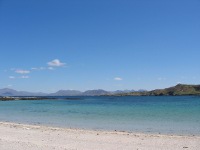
{"points": [[60, 128], [25, 136], [57, 127]]}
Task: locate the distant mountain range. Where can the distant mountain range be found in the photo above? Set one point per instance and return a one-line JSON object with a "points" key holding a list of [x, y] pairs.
{"points": [[66, 93], [11, 92], [178, 90]]}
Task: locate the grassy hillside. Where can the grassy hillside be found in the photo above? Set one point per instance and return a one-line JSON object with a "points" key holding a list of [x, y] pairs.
{"points": [[178, 90]]}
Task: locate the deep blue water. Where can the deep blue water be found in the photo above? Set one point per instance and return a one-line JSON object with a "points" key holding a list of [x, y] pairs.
{"points": [[167, 115]]}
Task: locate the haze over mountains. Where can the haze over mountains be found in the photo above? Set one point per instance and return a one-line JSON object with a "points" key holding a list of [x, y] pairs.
{"points": [[178, 90], [12, 92]]}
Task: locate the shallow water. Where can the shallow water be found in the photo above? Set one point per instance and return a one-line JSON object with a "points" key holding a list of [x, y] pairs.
{"points": [[165, 114]]}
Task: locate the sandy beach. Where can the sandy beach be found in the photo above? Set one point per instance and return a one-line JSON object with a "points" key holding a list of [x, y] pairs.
{"points": [[22, 137]]}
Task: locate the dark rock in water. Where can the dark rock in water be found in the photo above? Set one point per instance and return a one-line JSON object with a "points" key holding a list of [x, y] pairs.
{"points": [[37, 98], [24, 98], [6, 98]]}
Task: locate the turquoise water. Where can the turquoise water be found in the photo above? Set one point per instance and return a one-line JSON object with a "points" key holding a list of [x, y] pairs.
{"points": [[165, 115]]}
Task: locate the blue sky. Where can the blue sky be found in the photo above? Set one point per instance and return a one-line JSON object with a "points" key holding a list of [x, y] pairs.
{"points": [[108, 44]]}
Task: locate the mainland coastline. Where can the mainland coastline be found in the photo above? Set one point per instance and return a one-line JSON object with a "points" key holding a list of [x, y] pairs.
{"points": [[178, 90]]}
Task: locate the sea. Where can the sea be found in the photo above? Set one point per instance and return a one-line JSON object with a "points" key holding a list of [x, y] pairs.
{"points": [[179, 115]]}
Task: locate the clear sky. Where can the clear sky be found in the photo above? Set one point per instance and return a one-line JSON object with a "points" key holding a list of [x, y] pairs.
{"points": [[47, 45]]}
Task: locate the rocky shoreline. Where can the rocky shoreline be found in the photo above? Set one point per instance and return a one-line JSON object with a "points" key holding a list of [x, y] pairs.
{"points": [[9, 98], [24, 98]]}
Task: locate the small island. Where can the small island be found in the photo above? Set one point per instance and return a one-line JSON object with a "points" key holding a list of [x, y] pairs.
{"points": [[8, 98]]}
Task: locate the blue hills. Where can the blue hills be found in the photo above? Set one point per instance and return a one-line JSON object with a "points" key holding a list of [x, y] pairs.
{"points": [[98, 92]]}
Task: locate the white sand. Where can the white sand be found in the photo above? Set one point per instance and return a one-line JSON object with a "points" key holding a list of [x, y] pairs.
{"points": [[28, 137]]}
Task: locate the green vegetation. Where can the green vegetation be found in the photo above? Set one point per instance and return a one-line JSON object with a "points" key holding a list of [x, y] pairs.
{"points": [[178, 90]]}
